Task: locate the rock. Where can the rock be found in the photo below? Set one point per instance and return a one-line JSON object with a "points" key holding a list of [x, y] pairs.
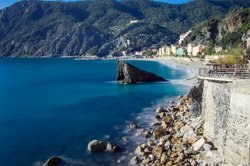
{"points": [[132, 126], [159, 110], [146, 134], [164, 124], [207, 147], [197, 145], [53, 161], [129, 74], [159, 132], [169, 163], [164, 158], [96, 146], [135, 160], [167, 144], [158, 150], [125, 139], [139, 150], [156, 123], [146, 161], [162, 114], [112, 148], [150, 143], [188, 135], [157, 117]]}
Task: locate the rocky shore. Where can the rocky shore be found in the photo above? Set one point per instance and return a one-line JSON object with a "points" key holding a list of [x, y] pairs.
{"points": [[177, 139]]}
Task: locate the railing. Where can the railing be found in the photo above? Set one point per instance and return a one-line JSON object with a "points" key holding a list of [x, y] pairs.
{"points": [[225, 73]]}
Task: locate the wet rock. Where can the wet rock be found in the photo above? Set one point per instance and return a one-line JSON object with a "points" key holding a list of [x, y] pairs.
{"points": [[162, 114], [112, 148], [146, 161], [139, 150], [150, 143], [156, 123], [132, 126], [135, 160], [54, 161], [125, 139], [147, 134], [96, 146], [159, 110]]}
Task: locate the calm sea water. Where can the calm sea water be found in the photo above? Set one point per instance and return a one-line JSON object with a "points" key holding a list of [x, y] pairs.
{"points": [[56, 106]]}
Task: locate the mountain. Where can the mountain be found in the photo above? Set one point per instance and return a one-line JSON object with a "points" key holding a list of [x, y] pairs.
{"points": [[226, 32], [101, 27]]}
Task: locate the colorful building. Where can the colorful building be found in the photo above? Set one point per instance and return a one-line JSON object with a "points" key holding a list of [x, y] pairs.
{"points": [[180, 52], [197, 50], [173, 49]]}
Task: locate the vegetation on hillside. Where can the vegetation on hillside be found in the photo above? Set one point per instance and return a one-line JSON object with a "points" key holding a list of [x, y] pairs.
{"points": [[226, 32], [49, 28]]}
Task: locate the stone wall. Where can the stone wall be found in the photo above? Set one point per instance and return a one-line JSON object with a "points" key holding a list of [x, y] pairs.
{"points": [[226, 110]]}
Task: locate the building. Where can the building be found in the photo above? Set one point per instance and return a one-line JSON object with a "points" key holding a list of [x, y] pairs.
{"points": [[183, 36], [189, 49], [180, 52], [164, 51], [173, 49], [133, 21], [197, 50]]}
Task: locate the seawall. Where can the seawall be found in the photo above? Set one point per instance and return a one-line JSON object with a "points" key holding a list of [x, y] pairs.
{"points": [[225, 107]]}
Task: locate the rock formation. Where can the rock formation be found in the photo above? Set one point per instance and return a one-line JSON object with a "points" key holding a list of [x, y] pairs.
{"points": [[96, 146], [129, 74], [100, 146], [54, 161]]}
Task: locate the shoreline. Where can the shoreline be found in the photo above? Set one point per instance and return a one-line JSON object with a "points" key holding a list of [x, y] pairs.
{"points": [[189, 67]]}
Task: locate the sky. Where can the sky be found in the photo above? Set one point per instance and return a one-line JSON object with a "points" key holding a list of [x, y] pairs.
{"points": [[5, 3]]}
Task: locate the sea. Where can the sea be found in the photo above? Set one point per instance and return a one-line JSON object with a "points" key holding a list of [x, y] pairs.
{"points": [[55, 106]]}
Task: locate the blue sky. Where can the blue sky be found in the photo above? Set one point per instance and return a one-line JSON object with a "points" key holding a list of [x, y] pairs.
{"points": [[5, 3]]}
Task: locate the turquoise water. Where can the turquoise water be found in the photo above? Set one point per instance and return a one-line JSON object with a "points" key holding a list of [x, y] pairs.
{"points": [[56, 106]]}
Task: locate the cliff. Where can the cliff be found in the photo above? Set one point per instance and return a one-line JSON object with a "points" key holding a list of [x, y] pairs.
{"points": [[225, 110], [226, 32], [55, 28], [129, 74]]}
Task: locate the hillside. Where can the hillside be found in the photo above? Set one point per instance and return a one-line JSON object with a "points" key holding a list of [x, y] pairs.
{"points": [[226, 32], [40, 28]]}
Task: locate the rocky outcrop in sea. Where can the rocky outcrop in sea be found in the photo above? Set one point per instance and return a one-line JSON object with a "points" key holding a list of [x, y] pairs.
{"points": [[129, 74]]}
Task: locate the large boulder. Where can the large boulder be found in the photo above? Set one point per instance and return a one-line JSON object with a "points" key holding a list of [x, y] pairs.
{"points": [[129, 74], [96, 146]]}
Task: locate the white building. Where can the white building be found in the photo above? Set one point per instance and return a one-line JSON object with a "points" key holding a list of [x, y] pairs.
{"points": [[133, 21], [190, 49], [183, 36], [173, 49]]}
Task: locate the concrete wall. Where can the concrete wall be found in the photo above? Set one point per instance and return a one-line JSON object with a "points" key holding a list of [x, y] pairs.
{"points": [[226, 109]]}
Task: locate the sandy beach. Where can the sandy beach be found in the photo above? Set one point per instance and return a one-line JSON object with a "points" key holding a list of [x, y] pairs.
{"points": [[191, 68]]}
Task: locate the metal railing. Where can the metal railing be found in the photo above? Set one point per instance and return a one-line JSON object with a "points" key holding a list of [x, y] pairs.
{"points": [[225, 73]]}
